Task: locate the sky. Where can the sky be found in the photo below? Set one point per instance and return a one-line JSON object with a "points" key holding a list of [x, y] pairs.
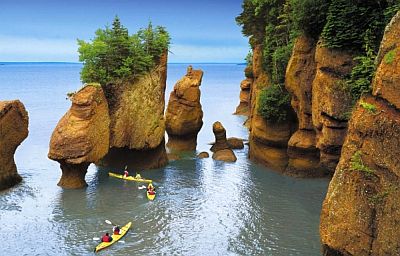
{"points": [[47, 30]]}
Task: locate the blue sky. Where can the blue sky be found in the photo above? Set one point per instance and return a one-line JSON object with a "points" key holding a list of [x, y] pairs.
{"points": [[46, 30]]}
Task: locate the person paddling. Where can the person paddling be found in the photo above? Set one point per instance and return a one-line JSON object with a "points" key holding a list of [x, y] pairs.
{"points": [[106, 238], [126, 173], [150, 189], [116, 230]]}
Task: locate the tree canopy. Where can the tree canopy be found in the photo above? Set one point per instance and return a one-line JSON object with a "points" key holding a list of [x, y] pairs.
{"points": [[114, 55]]}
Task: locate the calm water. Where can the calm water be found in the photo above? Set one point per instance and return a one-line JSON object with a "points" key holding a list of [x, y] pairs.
{"points": [[202, 207]]}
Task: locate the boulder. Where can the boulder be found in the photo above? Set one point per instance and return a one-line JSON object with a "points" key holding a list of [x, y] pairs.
{"points": [[13, 130], [203, 155], [235, 143], [225, 155], [361, 214], [184, 115], [81, 136]]}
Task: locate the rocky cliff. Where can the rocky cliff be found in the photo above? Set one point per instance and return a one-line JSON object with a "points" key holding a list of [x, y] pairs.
{"points": [[184, 116], [300, 74], [13, 130], [361, 214], [244, 99], [81, 136], [331, 103], [137, 120], [268, 141]]}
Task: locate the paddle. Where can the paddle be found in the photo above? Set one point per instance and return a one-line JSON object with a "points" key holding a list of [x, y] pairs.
{"points": [[142, 187], [109, 222]]}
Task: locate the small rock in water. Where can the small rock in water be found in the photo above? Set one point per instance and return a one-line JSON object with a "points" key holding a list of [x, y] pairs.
{"points": [[203, 155]]}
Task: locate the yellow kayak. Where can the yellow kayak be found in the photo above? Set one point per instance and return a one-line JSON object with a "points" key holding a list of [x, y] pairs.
{"points": [[115, 238], [150, 197], [120, 176]]}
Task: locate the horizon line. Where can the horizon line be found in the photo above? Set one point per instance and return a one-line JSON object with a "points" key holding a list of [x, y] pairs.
{"points": [[77, 62]]}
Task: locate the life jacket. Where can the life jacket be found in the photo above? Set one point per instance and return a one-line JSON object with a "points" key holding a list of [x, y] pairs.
{"points": [[116, 231], [106, 239]]}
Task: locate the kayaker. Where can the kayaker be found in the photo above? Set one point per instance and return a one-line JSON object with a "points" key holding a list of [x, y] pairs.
{"points": [[106, 238], [138, 176], [126, 173], [116, 230], [151, 189]]}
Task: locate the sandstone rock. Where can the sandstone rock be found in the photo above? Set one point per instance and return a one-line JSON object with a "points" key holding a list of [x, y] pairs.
{"points": [[203, 155], [220, 137], [137, 125], [173, 157], [361, 213], [225, 155], [244, 106], [184, 114], [330, 103], [235, 143], [13, 130], [299, 78], [81, 136], [268, 141]]}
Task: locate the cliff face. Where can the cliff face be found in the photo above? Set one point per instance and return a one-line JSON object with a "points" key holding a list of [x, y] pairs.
{"points": [[245, 85], [360, 214], [184, 116], [13, 130], [268, 141], [300, 74], [331, 103], [137, 120], [81, 136]]}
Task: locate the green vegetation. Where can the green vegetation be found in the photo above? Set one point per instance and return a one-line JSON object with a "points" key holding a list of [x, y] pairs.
{"points": [[361, 75], [114, 55], [389, 57], [356, 164], [351, 25], [274, 103], [371, 108]]}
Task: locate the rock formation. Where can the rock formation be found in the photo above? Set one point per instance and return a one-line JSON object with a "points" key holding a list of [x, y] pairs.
{"points": [[245, 85], [361, 213], [137, 121], [81, 136], [300, 73], [268, 141], [13, 130], [235, 143], [184, 116], [221, 148], [203, 155], [331, 103]]}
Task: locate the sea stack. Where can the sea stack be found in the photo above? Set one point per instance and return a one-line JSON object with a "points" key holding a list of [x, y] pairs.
{"points": [[13, 130], [221, 148], [81, 136], [184, 116]]}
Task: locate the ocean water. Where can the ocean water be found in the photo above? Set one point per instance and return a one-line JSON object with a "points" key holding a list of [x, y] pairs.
{"points": [[202, 207]]}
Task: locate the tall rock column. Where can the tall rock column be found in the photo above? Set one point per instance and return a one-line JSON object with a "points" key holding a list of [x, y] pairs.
{"points": [[300, 73], [331, 103], [13, 130], [81, 136], [184, 116], [137, 125], [268, 141], [361, 211], [245, 85]]}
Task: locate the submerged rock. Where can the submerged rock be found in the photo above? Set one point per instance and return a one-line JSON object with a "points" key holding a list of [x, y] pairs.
{"points": [[81, 136], [225, 155], [184, 113], [13, 130], [203, 155]]}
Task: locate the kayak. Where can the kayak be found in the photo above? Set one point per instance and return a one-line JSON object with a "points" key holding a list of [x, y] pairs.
{"points": [[120, 176], [150, 197], [115, 238]]}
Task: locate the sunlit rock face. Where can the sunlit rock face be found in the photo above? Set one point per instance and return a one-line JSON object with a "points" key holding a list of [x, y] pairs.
{"points": [[137, 125], [13, 130], [184, 115], [300, 74], [268, 141], [81, 136], [361, 213]]}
